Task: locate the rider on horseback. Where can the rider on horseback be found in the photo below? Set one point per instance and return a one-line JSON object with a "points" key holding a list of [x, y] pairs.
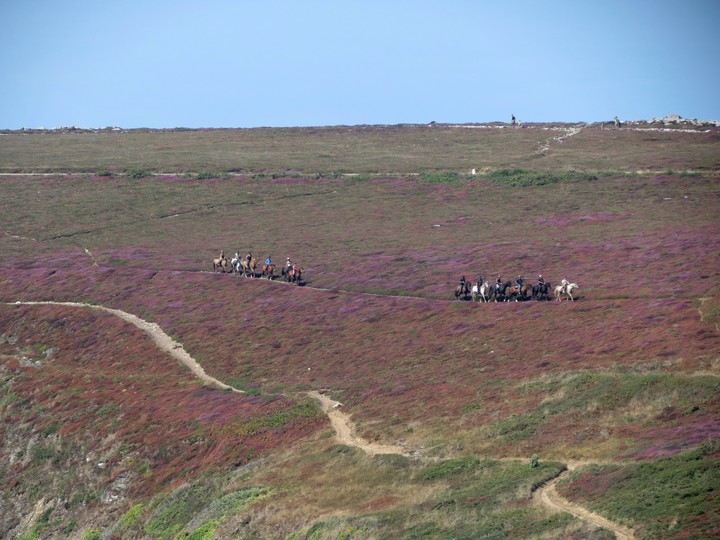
{"points": [[564, 284], [541, 280], [519, 283], [498, 283], [268, 261]]}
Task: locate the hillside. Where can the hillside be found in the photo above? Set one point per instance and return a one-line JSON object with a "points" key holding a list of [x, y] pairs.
{"points": [[481, 406]]}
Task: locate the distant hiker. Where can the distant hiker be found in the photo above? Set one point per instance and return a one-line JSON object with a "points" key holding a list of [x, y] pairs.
{"points": [[512, 120]]}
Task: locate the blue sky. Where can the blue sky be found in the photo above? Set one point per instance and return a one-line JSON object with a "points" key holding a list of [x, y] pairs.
{"points": [[248, 63]]}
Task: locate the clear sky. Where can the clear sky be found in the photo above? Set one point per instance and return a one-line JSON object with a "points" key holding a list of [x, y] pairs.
{"points": [[249, 63]]}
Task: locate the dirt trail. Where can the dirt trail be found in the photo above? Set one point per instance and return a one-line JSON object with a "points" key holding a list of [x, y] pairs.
{"points": [[345, 430], [160, 338], [549, 497]]}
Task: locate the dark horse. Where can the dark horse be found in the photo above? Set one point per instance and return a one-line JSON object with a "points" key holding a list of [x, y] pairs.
{"points": [[541, 292], [505, 292], [462, 290], [293, 274]]}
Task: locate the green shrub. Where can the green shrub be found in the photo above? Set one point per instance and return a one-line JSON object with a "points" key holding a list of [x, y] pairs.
{"points": [[206, 175], [450, 467], [131, 517], [137, 173], [440, 177], [525, 178]]}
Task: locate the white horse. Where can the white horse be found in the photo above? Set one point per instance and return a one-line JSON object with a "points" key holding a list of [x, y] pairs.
{"points": [[481, 292], [565, 288], [235, 263]]}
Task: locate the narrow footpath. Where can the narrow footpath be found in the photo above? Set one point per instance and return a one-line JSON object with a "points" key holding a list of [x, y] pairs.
{"points": [[546, 495]]}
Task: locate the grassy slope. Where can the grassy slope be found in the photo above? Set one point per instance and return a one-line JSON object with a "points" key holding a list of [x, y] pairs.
{"points": [[628, 372], [359, 149]]}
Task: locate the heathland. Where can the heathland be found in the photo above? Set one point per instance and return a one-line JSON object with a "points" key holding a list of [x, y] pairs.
{"points": [[106, 435]]}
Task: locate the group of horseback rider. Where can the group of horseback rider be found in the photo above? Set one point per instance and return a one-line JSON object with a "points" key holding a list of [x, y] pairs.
{"points": [[503, 289], [290, 268]]}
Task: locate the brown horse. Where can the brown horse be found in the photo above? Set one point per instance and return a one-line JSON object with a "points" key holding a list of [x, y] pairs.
{"points": [[222, 264], [506, 292], [268, 271], [249, 267], [525, 292]]}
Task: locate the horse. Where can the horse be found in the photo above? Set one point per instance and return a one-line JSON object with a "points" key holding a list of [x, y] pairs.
{"points": [[565, 289], [462, 290], [540, 291], [222, 264], [480, 292], [293, 274], [525, 292], [268, 271], [248, 267], [505, 292], [235, 263]]}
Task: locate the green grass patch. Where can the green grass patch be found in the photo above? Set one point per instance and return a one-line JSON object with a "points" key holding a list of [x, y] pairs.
{"points": [[678, 493], [207, 175], [526, 178], [450, 467], [273, 421], [519, 426], [131, 518], [440, 177]]}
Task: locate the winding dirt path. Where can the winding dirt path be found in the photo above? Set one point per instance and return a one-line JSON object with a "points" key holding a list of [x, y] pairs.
{"points": [[546, 495], [160, 338], [345, 429], [549, 497]]}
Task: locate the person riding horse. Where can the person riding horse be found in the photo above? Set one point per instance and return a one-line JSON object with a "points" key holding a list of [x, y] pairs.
{"points": [[519, 282], [498, 283], [541, 280]]}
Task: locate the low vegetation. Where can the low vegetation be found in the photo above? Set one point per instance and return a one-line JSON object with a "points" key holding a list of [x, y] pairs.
{"points": [[103, 434]]}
